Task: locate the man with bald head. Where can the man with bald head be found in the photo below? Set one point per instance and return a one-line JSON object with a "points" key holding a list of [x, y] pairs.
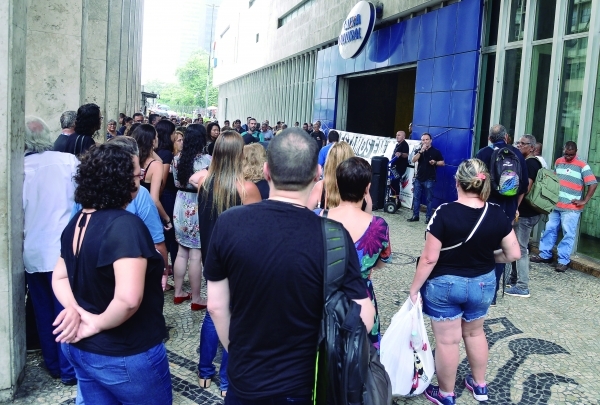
{"points": [[291, 290], [401, 162]]}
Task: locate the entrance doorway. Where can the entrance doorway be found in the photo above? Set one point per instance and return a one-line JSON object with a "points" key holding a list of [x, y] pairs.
{"points": [[378, 104]]}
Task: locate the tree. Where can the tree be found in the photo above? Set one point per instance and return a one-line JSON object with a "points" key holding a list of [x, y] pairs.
{"points": [[191, 84]]}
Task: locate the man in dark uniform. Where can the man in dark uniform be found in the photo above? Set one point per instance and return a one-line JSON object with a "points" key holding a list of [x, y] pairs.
{"points": [[401, 163]]}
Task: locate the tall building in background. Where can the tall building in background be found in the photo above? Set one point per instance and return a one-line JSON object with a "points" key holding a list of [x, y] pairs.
{"points": [[194, 22]]}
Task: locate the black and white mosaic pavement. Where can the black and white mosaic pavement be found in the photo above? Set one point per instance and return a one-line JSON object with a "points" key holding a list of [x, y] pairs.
{"points": [[543, 350]]}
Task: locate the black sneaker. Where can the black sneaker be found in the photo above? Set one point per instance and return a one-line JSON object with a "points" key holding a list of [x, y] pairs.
{"points": [[413, 219], [71, 382], [539, 259], [561, 268]]}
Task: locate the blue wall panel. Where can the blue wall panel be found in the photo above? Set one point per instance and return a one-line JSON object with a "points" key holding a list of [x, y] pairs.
{"points": [[445, 45]]}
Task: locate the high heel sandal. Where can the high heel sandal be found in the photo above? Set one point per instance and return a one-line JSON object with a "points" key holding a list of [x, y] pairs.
{"points": [[204, 382], [197, 307]]}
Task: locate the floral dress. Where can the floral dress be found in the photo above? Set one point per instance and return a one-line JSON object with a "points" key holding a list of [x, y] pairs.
{"points": [[185, 212], [374, 244]]}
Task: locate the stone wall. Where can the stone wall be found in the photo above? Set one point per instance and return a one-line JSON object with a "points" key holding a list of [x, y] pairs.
{"points": [[83, 51]]}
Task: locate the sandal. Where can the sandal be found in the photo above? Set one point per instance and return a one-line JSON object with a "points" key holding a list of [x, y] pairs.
{"points": [[204, 382]]}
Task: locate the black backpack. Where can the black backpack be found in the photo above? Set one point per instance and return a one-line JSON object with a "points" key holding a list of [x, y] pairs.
{"points": [[348, 368], [505, 169]]}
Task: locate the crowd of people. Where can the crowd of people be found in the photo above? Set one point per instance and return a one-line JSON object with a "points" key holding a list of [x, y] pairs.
{"points": [[107, 224]]}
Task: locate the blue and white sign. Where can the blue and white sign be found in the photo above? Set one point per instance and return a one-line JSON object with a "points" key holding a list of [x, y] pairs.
{"points": [[357, 29]]}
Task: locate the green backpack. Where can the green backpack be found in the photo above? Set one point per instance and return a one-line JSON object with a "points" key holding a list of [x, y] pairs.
{"points": [[543, 195]]}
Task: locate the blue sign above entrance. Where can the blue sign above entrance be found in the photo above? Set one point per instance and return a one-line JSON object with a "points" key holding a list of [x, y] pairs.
{"points": [[356, 30]]}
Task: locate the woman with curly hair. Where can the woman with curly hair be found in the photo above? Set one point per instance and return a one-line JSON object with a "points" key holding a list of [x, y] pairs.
{"points": [[152, 174], [220, 187], [255, 157], [185, 216], [108, 278], [213, 129], [325, 193], [370, 234]]}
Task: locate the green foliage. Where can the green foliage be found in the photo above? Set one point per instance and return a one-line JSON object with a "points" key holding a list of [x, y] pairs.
{"points": [[191, 84]]}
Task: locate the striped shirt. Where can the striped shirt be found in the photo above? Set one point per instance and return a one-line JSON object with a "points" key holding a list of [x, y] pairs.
{"points": [[572, 176]]}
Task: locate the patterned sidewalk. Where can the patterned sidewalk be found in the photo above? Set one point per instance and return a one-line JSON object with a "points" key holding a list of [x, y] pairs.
{"points": [[543, 349]]}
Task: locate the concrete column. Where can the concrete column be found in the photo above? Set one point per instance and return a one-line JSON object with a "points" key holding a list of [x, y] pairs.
{"points": [[13, 33], [123, 59], [113, 56], [54, 63], [95, 45]]}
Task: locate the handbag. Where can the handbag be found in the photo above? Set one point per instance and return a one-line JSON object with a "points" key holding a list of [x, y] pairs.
{"points": [[406, 352]]}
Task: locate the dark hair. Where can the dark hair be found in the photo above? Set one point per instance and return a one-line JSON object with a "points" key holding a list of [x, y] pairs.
{"points": [[129, 131], [292, 157], [237, 121], [209, 128], [570, 145], [333, 136], [497, 133], [144, 135], [138, 115], [353, 176], [151, 117], [127, 119], [165, 129], [121, 115], [105, 178], [88, 119], [195, 141], [428, 134]]}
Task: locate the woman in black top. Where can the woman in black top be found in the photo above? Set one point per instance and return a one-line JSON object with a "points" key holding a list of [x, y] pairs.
{"points": [[213, 130], [108, 278], [166, 130], [456, 277], [152, 169], [220, 187]]}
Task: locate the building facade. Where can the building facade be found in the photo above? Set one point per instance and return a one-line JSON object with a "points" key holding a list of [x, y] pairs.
{"points": [[452, 68], [54, 56]]}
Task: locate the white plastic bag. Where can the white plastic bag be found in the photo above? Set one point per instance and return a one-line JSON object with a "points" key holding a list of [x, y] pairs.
{"points": [[410, 370]]}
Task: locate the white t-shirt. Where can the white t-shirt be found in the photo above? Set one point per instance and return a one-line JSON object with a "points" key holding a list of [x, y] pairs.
{"points": [[48, 191]]}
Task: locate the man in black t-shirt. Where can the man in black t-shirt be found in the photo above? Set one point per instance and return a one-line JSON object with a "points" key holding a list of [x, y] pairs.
{"points": [[429, 159], [318, 135], [528, 218], [266, 300], [401, 163]]}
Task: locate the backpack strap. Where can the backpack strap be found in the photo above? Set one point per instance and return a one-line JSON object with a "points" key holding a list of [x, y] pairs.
{"points": [[336, 257], [472, 232]]}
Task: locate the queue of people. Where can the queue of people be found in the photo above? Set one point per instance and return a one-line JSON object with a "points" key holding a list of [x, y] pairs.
{"points": [[196, 197]]}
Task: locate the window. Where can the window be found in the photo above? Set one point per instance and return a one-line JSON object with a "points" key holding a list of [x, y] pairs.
{"points": [[295, 12], [571, 93], [578, 16], [510, 89], [538, 90], [544, 20], [492, 19], [517, 20]]}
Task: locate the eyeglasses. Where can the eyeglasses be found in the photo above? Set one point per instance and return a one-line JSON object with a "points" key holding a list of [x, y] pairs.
{"points": [[522, 143]]}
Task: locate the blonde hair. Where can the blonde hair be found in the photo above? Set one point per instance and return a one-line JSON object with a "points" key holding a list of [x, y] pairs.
{"points": [[339, 152], [254, 158], [473, 177], [225, 172], [174, 139]]}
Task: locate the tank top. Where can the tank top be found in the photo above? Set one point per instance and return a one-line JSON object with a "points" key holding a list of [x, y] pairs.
{"points": [[143, 181], [207, 218]]}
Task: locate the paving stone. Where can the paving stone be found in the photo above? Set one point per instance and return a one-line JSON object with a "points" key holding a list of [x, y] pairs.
{"points": [[543, 349]]}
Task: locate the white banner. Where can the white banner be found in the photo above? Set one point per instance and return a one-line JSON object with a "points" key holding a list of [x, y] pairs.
{"points": [[367, 146]]}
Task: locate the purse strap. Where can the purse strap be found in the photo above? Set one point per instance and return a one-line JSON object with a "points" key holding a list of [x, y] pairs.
{"points": [[472, 232]]}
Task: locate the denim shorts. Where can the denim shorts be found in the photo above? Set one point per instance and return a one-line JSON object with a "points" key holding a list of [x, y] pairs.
{"points": [[450, 297]]}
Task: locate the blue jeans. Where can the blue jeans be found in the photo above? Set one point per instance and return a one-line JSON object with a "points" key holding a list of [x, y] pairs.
{"points": [[46, 308], [569, 221], [418, 188], [523, 229], [209, 341], [451, 297], [232, 399], [131, 380]]}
